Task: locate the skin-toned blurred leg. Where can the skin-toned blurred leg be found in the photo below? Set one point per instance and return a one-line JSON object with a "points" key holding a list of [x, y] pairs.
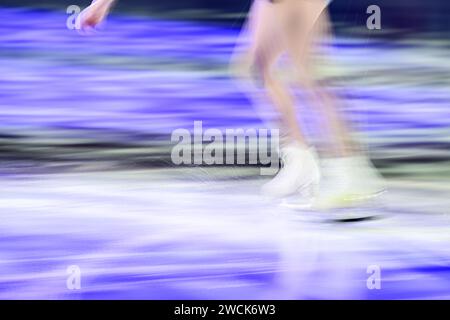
{"points": [[305, 26], [350, 177], [300, 170], [266, 47], [295, 27]]}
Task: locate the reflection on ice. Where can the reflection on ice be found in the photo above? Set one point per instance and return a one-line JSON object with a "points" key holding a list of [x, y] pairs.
{"points": [[143, 234]]}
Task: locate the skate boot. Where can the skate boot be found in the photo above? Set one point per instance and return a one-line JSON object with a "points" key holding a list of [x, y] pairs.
{"points": [[300, 171], [348, 182]]}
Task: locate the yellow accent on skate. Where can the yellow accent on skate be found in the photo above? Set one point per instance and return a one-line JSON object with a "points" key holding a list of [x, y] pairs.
{"points": [[347, 200]]}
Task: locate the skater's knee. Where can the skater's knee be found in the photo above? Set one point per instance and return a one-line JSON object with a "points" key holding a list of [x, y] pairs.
{"points": [[255, 69], [247, 71], [263, 74]]}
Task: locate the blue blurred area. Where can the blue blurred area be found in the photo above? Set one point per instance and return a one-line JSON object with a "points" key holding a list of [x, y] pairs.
{"points": [[132, 84]]}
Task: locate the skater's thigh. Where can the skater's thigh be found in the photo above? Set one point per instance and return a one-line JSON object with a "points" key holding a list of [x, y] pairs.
{"points": [[305, 24], [264, 33]]}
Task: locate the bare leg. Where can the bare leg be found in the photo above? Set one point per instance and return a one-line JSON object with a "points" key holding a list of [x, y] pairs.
{"points": [[295, 26], [305, 24], [350, 177], [300, 169], [266, 48]]}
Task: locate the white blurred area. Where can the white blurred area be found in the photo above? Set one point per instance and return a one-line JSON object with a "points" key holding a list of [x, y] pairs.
{"points": [[168, 234]]}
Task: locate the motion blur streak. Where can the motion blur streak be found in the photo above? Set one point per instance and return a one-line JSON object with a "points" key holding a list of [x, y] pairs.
{"points": [[87, 178]]}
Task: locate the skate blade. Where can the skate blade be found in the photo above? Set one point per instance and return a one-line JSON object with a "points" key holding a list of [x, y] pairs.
{"points": [[354, 219], [347, 201]]}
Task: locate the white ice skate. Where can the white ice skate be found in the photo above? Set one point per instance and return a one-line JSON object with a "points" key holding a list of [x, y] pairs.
{"points": [[300, 173], [348, 182]]}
